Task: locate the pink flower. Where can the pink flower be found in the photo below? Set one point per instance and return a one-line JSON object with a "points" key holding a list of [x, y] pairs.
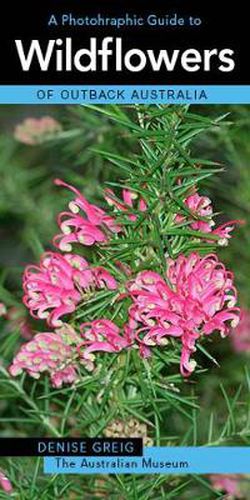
{"points": [[224, 231], [101, 335], [59, 283], [34, 131], [240, 337], [60, 354], [91, 226], [5, 483], [199, 206], [54, 353], [196, 298], [228, 483], [103, 279], [129, 198]]}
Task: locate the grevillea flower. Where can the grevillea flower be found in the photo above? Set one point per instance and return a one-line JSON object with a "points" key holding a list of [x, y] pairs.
{"points": [[59, 283], [34, 131], [240, 336], [60, 354], [224, 231], [54, 353], [227, 483], [85, 223], [101, 335], [196, 298], [5, 483], [128, 428], [128, 203], [201, 207]]}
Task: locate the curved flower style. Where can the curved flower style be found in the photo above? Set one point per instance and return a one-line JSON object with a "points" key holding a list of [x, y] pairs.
{"points": [[48, 352], [228, 483], [240, 337], [60, 354], [129, 198], [103, 279], [88, 228], [34, 131], [57, 285], [199, 206], [100, 335], [224, 231], [5, 483], [197, 298]]}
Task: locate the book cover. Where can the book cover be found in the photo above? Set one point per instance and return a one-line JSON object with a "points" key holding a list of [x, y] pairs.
{"points": [[124, 258]]}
